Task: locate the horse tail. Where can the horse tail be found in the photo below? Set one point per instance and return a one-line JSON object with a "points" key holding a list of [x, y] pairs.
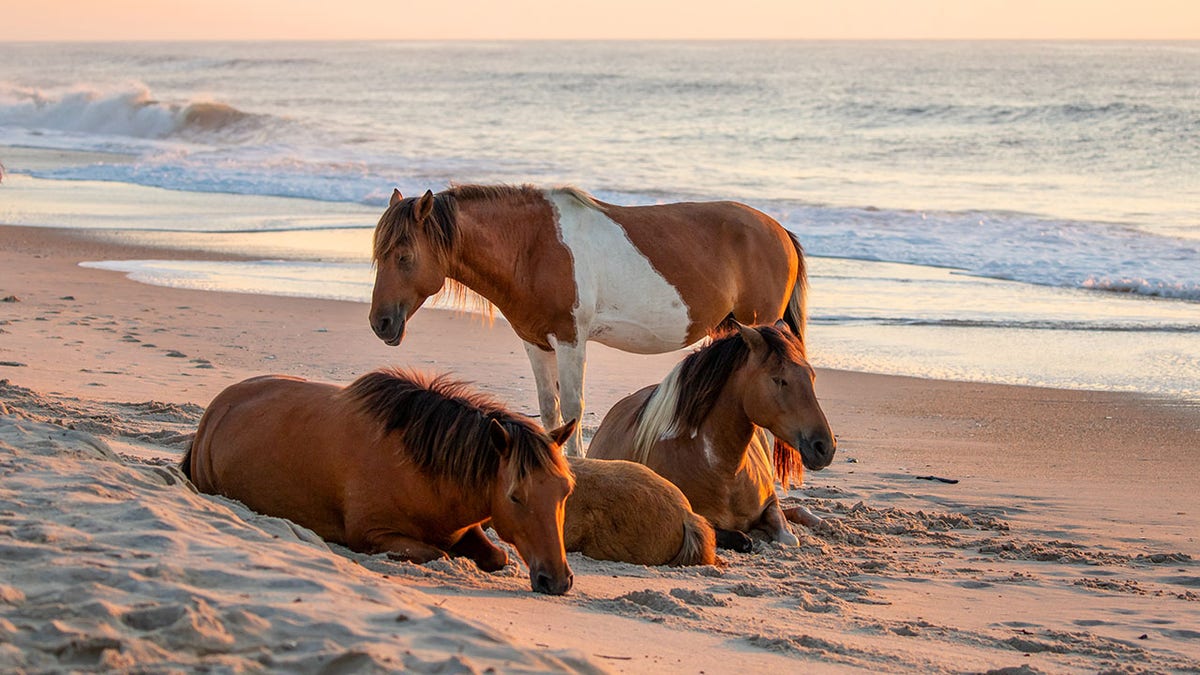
{"points": [[796, 312], [699, 542]]}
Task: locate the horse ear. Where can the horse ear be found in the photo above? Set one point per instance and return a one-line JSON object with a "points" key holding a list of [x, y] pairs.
{"points": [[500, 438], [753, 339], [424, 206], [563, 433], [396, 196], [782, 325]]}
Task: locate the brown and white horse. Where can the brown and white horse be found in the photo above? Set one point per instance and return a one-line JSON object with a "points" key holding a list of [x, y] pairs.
{"points": [[565, 268], [699, 429], [396, 462]]}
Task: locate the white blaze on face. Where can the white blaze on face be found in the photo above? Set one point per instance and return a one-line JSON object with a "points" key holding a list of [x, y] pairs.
{"points": [[623, 301]]}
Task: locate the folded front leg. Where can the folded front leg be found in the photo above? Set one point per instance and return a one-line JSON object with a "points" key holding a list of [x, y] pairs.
{"points": [[401, 547], [476, 546]]}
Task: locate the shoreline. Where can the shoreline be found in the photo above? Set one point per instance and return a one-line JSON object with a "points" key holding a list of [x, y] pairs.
{"points": [[1042, 555]]}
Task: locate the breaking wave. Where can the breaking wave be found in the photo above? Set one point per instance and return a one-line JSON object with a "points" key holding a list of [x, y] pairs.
{"points": [[130, 111]]}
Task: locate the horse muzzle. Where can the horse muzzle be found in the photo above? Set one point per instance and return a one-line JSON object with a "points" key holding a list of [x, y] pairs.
{"points": [[544, 582], [390, 326], [816, 453]]}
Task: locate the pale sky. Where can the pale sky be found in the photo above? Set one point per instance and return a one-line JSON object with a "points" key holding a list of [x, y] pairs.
{"points": [[596, 19]]}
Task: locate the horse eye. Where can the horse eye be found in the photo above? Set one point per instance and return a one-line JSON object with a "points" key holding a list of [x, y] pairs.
{"points": [[404, 259], [514, 499], [780, 381]]}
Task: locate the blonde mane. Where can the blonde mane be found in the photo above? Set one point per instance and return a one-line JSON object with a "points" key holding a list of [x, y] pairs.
{"points": [[658, 419]]}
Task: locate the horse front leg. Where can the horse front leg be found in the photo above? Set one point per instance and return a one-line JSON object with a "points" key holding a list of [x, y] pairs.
{"points": [[571, 363], [776, 524], [475, 545], [545, 375], [402, 547]]}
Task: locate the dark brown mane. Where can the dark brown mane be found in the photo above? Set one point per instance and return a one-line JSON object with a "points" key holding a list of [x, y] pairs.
{"points": [[398, 225], [443, 425], [704, 372], [472, 192]]}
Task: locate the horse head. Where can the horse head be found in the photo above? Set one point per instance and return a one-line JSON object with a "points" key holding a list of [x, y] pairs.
{"points": [[780, 396], [412, 239], [528, 507]]}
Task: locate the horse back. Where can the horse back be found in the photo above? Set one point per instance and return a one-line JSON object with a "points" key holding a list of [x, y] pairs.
{"points": [[266, 443], [624, 511], [723, 257]]}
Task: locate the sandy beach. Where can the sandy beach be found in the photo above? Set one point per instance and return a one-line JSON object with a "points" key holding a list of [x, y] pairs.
{"points": [[1068, 544]]}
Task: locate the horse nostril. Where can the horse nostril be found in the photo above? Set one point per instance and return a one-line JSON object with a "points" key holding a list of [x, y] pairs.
{"points": [[382, 324], [819, 447], [541, 582]]}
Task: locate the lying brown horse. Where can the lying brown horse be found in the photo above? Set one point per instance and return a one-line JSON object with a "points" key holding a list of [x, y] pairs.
{"points": [[565, 268], [697, 428], [624, 511], [396, 462]]}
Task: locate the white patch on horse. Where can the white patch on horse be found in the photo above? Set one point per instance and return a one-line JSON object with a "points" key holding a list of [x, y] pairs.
{"points": [[622, 301], [710, 453]]}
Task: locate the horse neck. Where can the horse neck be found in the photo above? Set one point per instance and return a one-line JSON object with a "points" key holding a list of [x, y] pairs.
{"points": [[727, 427], [491, 238], [469, 503]]}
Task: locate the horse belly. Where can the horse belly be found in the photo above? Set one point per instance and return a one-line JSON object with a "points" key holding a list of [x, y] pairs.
{"points": [[623, 301]]}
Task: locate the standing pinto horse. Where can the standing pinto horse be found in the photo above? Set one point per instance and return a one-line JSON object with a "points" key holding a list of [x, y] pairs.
{"points": [[564, 268]]}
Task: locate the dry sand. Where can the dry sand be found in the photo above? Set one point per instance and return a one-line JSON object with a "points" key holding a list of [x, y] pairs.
{"points": [[1068, 544]]}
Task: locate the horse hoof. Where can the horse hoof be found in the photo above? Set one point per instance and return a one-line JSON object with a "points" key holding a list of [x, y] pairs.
{"points": [[788, 539], [735, 541]]}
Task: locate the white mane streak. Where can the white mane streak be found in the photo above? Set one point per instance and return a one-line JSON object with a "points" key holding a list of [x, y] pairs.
{"points": [[658, 418]]}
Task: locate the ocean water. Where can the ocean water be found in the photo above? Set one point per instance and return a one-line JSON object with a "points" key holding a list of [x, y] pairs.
{"points": [[982, 211]]}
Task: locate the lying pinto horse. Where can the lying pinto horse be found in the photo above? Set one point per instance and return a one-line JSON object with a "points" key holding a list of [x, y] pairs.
{"points": [[396, 462]]}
